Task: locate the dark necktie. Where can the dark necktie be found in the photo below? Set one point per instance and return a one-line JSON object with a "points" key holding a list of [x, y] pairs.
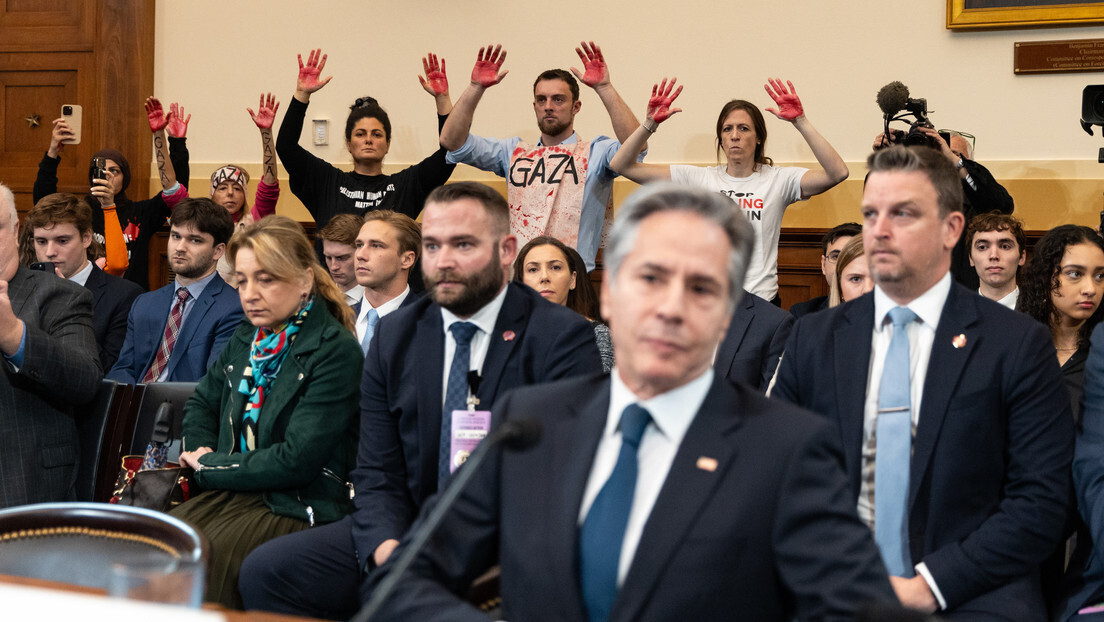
{"points": [[168, 340], [604, 527], [456, 395]]}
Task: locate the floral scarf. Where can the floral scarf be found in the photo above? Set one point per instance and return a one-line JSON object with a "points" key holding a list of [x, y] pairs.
{"points": [[270, 346]]}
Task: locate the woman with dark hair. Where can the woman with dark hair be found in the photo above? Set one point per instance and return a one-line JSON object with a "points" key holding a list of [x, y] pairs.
{"points": [[271, 429], [763, 191], [326, 190], [851, 278], [558, 273], [1061, 287]]}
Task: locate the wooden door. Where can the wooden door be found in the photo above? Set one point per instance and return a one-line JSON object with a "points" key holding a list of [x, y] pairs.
{"points": [[96, 53]]}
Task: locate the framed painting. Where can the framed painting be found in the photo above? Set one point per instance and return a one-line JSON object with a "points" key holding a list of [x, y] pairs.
{"points": [[1004, 14]]}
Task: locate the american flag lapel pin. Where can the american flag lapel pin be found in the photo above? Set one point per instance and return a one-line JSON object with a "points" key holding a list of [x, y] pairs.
{"points": [[509, 335], [959, 341], [706, 463]]}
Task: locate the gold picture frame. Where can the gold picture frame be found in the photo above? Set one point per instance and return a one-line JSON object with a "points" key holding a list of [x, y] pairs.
{"points": [[1026, 14]]}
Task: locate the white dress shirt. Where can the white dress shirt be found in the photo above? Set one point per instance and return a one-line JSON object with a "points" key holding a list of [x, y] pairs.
{"points": [[81, 277], [672, 413], [354, 294], [928, 307], [484, 319], [1011, 299], [384, 309]]}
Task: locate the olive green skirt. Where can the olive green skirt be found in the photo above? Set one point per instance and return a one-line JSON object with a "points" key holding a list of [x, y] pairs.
{"points": [[234, 524]]}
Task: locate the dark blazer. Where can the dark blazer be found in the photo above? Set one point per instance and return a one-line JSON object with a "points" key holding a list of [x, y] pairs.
{"points": [[754, 342], [768, 534], [206, 330], [112, 298], [400, 409], [812, 305], [990, 474], [60, 371]]}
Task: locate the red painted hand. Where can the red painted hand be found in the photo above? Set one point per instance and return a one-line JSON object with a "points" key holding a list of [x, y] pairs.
{"points": [[659, 104], [266, 111], [595, 65], [789, 104], [308, 80], [435, 81], [487, 65], [156, 114], [178, 126]]}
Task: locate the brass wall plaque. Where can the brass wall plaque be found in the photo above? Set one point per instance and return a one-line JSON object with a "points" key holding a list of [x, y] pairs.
{"points": [[1059, 56]]}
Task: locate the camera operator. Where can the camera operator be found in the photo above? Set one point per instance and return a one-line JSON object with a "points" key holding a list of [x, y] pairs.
{"points": [[981, 192]]}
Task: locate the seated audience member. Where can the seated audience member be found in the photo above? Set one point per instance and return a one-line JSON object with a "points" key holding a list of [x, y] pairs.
{"points": [[387, 248], [48, 356], [957, 430], [339, 238], [851, 277], [657, 479], [830, 246], [558, 273], [61, 230], [125, 227], [326, 190], [981, 193], [754, 342], [759, 190], [997, 250], [271, 428], [1062, 288], [175, 333], [473, 336], [229, 183], [561, 186]]}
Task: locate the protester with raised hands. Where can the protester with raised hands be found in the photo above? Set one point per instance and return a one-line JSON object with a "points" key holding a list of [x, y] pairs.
{"points": [[326, 190], [127, 246], [560, 186], [763, 191]]}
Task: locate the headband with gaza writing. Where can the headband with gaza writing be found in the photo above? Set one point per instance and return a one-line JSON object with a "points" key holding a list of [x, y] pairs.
{"points": [[231, 174]]}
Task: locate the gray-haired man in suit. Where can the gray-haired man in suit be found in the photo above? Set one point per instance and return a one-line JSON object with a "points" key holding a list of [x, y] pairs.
{"points": [[49, 365]]}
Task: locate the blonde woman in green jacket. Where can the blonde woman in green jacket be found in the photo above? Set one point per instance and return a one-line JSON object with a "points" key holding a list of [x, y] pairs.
{"points": [[271, 430]]}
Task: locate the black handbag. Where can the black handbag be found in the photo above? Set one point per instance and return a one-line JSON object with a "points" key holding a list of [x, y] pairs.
{"points": [[155, 489]]}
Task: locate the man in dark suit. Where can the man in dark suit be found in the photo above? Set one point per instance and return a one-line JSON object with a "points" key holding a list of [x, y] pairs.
{"points": [[830, 246], [61, 232], [203, 308], [754, 342], [407, 398], [647, 497], [49, 367], [933, 386], [384, 253]]}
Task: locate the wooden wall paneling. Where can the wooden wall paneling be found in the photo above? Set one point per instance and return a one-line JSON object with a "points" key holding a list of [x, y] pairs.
{"points": [[799, 275], [59, 25]]}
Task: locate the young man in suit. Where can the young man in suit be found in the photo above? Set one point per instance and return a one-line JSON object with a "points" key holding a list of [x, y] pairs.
{"points": [[175, 333], [956, 426], [48, 367], [646, 498], [385, 251], [830, 246], [339, 250], [415, 377], [61, 232]]}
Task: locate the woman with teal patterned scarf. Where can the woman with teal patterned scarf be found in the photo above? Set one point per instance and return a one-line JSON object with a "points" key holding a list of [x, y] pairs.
{"points": [[271, 430]]}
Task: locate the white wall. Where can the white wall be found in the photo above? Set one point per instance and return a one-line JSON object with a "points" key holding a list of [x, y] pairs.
{"points": [[216, 57]]}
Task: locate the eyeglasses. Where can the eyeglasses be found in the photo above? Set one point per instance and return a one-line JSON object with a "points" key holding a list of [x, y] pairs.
{"points": [[364, 101], [833, 256]]}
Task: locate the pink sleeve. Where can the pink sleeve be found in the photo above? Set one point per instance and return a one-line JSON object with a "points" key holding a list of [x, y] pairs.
{"points": [[176, 197], [264, 202]]}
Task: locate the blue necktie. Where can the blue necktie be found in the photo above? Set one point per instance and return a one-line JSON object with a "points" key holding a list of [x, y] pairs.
{"points": [[604, 527], [373, 318], [456, 395], [893, 452]]}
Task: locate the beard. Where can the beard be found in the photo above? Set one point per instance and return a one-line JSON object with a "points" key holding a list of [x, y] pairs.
{"points": [[479, 288], [553, 127], [196, 268]]}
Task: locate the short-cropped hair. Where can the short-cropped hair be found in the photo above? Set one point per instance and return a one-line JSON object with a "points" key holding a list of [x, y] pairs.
{"points": [[206, 216], [664, 197], [490, 199], [846, 230], [941, 173], [60, 208], [409, 231], [342, 228], [559, 74], [996, 221]]}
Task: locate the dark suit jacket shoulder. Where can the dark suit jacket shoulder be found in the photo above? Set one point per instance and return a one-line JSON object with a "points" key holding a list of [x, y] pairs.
{"points": [[754, 342], [209, 325], [38, 446], [812, 305], [112, 298], [401, 396], [990, 473], [727, 538]]}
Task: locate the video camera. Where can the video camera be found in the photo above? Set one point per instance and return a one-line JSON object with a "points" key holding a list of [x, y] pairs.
{"points": [[896, 105]]}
